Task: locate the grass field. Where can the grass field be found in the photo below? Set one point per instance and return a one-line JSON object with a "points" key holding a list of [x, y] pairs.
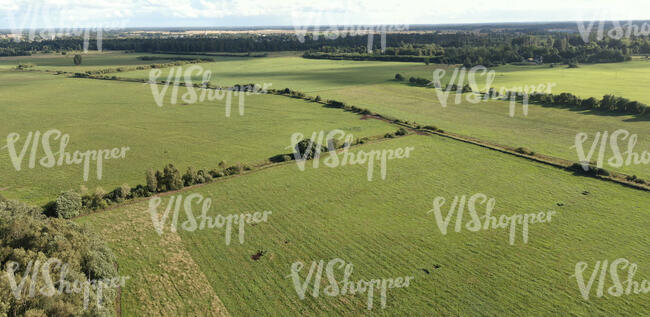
{"points": [[382, 227], [546, 130], [108, 114], [92, 60], [329, 213], [630, 80]]}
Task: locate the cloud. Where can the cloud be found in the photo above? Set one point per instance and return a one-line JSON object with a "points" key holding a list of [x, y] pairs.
{"points": [[61, 13]]}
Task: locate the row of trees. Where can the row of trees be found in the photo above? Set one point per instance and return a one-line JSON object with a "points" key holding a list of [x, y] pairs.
{"points": [[70, 204], [455, 47], [609, 103], [485, 55]]}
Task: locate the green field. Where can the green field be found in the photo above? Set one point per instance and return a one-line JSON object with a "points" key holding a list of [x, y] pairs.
{"points": [[107, 114], [92, 60], [546, 130], [630, 80], [381, 226], [330, 213]]}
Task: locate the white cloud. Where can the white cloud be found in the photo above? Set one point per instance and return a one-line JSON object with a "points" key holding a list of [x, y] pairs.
{"points": [[292, 12]]}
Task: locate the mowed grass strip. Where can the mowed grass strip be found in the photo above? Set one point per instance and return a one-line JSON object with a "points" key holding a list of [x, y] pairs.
{"points": [[163, 280], [107, 114], [383, 229]]}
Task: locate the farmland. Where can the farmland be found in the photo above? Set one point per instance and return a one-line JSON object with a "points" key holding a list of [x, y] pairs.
{"points": [[327, 213], [383, 227], [198, 135], [546, 130]]}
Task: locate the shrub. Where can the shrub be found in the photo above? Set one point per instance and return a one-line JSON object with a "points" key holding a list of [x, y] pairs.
{"points": [[215, 174], [432, 128], [23, 66], [140, 191], [27, 237], [190, 176], [307, 148], [399, 77], [592, 170], [68, 204], [152, 182], [318, 99], [222, 164], [97, 199], [233, 170], [389, 136], [524, 150], [172, 179]]}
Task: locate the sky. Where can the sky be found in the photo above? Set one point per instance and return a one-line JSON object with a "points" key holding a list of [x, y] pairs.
{"points": [[25, 14]]}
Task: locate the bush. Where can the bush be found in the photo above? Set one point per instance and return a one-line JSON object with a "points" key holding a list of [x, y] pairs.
{"points": [[307, 148], [524, 150], [190, 177], [140, 191], [171, 179], [633, 178], [152, 182], [401, 131], [233, 170], [399, 77], [68, 204], [27, 236], [592, 170], [389, 136], [432, 128]]}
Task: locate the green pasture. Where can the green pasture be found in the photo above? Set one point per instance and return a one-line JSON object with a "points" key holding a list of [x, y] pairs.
{"points": [[108, 114], [382, 227]]}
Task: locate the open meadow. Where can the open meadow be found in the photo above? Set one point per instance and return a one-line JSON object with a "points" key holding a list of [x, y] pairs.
{"points": [[386, 228], [107, 114], [327, 213], [370, 85]]}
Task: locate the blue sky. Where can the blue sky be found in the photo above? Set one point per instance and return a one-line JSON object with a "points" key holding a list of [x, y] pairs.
{"points": [[207, 13]]}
